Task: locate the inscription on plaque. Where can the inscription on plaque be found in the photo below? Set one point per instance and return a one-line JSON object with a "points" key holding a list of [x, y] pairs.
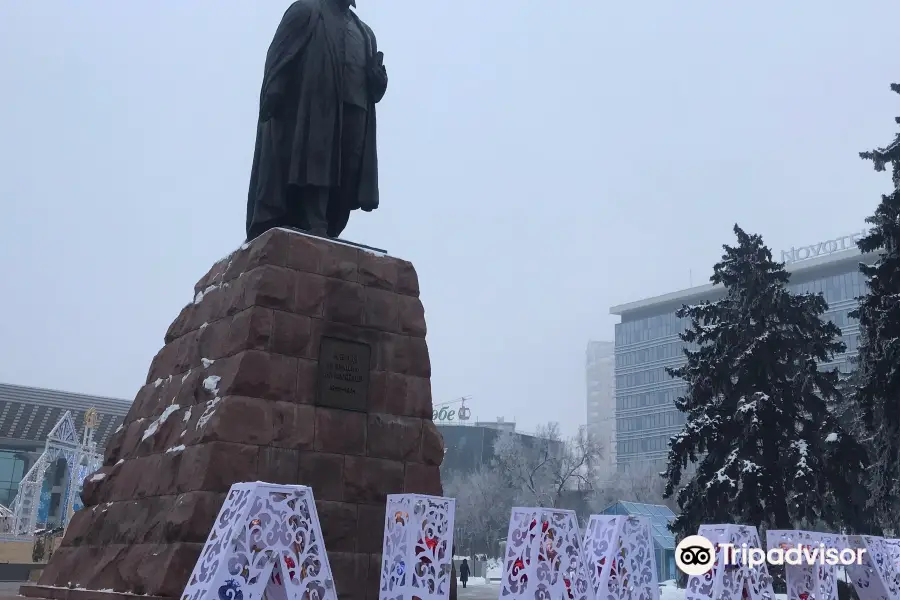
{"points": [[344, 374]]}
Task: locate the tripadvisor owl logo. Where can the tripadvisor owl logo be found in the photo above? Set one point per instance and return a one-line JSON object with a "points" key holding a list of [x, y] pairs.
{"points": [[695, 555]]}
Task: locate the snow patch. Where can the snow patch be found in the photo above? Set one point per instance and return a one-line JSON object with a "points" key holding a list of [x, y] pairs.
{"points": [[186, 375], [245, 245], [157, 383], [206, 362], [208, 413], [187, 415], [200, 295], [154, 426], [831, 437], [371, 251], [97, 477], [204, 326], [175, 449], [211, 384], [119, 428], [121, 460]]}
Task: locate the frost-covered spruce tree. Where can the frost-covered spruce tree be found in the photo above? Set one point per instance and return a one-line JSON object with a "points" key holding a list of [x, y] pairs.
{"points": [[879, 349], [763, 443]]}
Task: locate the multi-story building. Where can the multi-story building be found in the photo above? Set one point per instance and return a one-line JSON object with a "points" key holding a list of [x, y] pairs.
{"points": [[601, 400], [470, 446], [647, 342]]}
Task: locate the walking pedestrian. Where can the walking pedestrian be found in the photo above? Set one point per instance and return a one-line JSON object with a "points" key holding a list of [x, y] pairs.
{"points": [[464, 572]]}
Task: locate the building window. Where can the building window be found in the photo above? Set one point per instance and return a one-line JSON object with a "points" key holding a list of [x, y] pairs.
{"points": [[12, 469]]}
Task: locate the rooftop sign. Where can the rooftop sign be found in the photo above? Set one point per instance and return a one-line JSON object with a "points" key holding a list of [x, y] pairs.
{"points": [[825, 248], [445, 414]]}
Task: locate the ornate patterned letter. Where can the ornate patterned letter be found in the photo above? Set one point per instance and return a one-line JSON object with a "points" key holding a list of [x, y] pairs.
{"points": [[876, 578], [544, 557], [730, 583], [620, 557], [266, 540], [818, 581], [418, 547]]}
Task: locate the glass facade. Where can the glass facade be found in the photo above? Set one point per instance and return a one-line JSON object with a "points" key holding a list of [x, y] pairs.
{"points": [[648, 343], [12, 468]]}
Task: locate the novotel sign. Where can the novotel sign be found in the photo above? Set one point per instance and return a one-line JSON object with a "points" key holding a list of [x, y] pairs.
{"points": [[825, 248]]}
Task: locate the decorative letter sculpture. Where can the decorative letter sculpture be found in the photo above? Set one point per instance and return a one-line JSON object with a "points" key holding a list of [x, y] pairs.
{"points": [[805, 580], [266, 541], [418, 547], [543, 557], [730, 583], [619, 554], [892, 551], [876, 577]]}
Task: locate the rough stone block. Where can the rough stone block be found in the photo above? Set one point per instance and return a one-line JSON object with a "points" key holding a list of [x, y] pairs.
{"points": [[370, 480], [294, 425], [432, 444], [291, 334], [377, 271], [279, 465], [340, 262], [251, 329], [324, 473], [422, 479], [238, 419], [339, 522], [382, 310], [395, 437], [370, 528], [340, 431], [411, 316], [350, 574], [257, 375], [215, 466], [407, 279], [191, 517], [310, 291], [345, 302]]}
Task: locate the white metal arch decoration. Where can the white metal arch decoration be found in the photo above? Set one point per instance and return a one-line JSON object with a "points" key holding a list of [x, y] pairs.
{"points": [[81, 459]]}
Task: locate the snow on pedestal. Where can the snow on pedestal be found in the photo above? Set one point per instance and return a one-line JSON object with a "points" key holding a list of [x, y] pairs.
{"points": [[731, 582], [543, 556], [876, 577], [619, 555], [805, 580], [266, 540], [418, 547]]}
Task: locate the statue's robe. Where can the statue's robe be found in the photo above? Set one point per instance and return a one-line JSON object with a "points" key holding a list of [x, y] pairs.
{"points": [[301, 146]]}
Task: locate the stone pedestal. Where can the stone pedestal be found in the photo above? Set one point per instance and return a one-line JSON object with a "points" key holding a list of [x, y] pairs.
{"points": [[233, 397]]}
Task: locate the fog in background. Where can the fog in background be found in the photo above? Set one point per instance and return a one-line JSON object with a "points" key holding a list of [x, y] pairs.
{"points": [[540, 162]]}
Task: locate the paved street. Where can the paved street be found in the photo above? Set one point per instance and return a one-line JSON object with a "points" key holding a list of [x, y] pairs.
{"points": [[490, 591]]}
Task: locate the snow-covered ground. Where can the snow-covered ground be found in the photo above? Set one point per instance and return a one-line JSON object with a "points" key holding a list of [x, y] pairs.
{"points": [[474, 581]]}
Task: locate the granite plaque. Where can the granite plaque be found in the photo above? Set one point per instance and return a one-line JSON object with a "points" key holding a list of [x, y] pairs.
{"points": [[344, 374]]}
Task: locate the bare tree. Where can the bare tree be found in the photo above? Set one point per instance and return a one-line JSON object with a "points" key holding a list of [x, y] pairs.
{"points": [[639, 483], [541, 468], [483, 504]]}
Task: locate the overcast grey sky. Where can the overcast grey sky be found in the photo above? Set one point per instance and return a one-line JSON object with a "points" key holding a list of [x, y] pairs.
{"points": [[540, 162]]}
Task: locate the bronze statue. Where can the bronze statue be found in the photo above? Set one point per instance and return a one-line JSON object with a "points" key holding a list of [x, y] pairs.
{"points": [[315, 159]]}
